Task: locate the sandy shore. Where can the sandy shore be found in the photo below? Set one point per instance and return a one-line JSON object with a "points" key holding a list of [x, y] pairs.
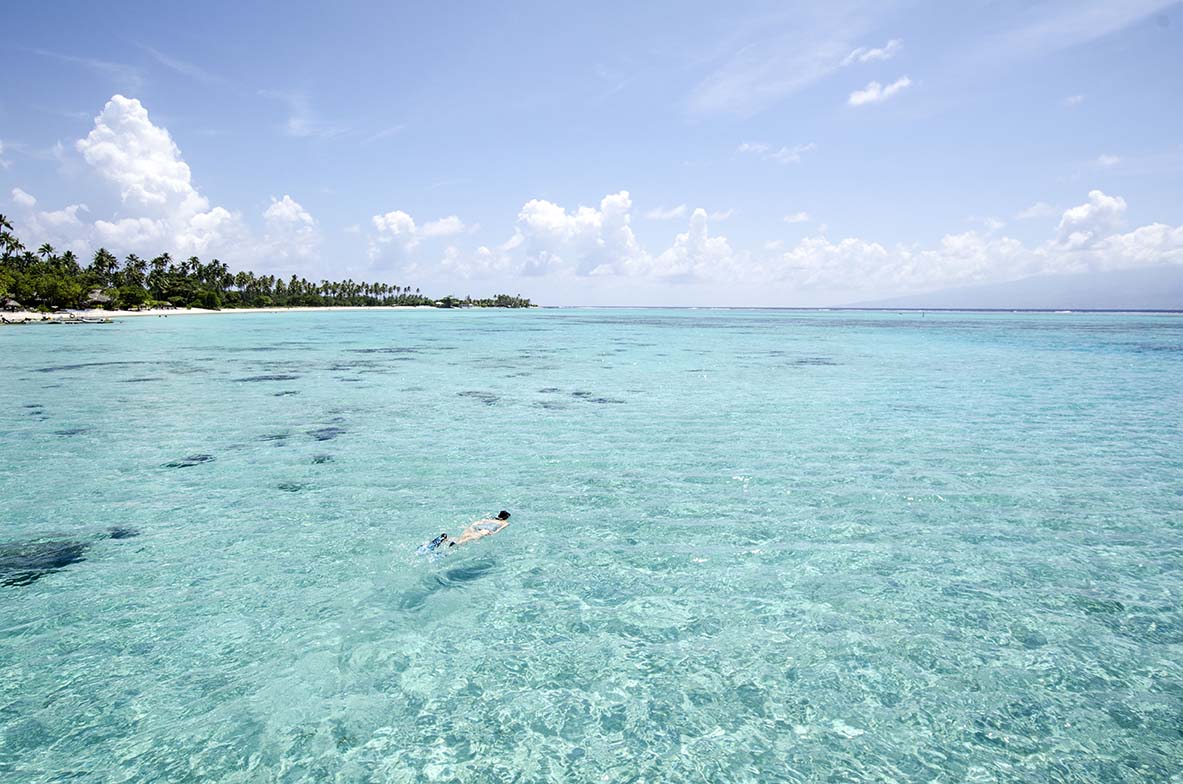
{"points": [[26, 315]]}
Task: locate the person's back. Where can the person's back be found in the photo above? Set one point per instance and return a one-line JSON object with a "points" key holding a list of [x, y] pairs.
{"points": [[485, 527]]}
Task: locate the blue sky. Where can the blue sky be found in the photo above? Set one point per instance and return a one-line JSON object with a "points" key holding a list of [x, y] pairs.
{"points": [[634, 153]]}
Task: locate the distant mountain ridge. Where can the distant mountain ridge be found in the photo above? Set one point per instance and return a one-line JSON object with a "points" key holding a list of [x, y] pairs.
{"points": [[1146, 288]]}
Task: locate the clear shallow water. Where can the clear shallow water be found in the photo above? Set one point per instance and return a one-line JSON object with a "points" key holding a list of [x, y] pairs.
{"points": [[746, 546]]}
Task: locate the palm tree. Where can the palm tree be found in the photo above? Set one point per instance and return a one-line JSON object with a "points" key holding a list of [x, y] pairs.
{"points": [[45, 251], [103, 266], [68, 264]]}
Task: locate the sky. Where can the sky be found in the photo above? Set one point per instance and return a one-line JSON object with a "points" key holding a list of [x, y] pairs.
{"points": [[692, 153]]}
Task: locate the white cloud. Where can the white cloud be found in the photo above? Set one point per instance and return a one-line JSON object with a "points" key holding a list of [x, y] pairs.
{"points": [[590, 242], [722, 215], [23, 199], [1108, 160], [287, 211], [781, 155], [797, 217], [877, 93], [587, 241], [397, 235], [160, 207], [1072, 101], [1083, 225], [444, 227], [3, 162], [64, 228], [291, 237], [661, 213], [885, 52], [1040, 209], [66, 217], [127, 149], [695, 255]]}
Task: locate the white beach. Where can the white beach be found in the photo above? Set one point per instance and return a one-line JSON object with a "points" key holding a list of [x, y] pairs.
{"points": [[22, 316]]}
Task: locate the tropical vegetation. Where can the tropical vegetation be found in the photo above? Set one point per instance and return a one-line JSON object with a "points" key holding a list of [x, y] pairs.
{"points": [[47, 280]]}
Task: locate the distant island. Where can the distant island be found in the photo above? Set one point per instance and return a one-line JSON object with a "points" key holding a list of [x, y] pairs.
{"points": [[47, 281]]}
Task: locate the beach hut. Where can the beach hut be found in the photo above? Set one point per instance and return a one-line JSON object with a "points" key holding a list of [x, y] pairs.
{"points": [[11, 305], [97, 299]]}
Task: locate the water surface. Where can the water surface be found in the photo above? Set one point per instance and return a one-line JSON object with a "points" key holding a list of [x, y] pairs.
{"points": [[746, 546]]}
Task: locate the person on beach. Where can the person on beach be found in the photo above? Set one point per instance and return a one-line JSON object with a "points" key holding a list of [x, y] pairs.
{"points": [[484, 527]]}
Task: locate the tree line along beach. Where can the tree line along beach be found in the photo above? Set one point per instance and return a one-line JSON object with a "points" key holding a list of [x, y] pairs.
{"points": [[52, 287]]}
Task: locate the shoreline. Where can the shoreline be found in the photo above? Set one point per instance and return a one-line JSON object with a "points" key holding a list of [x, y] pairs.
{"points": [[33, 317], [24, 316]]}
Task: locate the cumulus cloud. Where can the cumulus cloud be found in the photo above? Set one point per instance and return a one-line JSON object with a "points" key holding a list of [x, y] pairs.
{"points": [[23, 199], [1083, 225], [396, 235], [1085, 240], [1072, 101], [661, 213], [589, 241], [66, 217], [781, 155], [444, 227], [695, 255], [797, 217], [877, 93], [291, 236], [596, 242], [63, 228], [3, 162], [287, 211], [141, 159], [1108, 160], [865, 55], [160, 208]]}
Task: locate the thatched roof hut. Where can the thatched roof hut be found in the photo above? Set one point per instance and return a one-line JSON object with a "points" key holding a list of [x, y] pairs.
{"points": [[11, 305], [97, 297]]}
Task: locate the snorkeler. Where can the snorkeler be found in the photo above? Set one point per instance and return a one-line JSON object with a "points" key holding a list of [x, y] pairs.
{"points": [[483, 527]]}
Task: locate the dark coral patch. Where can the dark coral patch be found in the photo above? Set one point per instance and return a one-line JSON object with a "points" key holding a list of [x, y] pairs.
{"points": [[190, 461], [326, 433], [269, 377], [488, 398]]}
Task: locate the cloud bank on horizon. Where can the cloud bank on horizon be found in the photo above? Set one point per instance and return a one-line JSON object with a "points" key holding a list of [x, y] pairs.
{"points": [[804, 228]]}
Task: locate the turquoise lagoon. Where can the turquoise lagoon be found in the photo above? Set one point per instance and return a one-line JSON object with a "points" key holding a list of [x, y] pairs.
{"points": [[746, 546]]}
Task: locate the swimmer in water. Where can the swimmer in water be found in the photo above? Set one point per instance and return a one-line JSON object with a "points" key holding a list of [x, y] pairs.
{"points": [[484, 527]]}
